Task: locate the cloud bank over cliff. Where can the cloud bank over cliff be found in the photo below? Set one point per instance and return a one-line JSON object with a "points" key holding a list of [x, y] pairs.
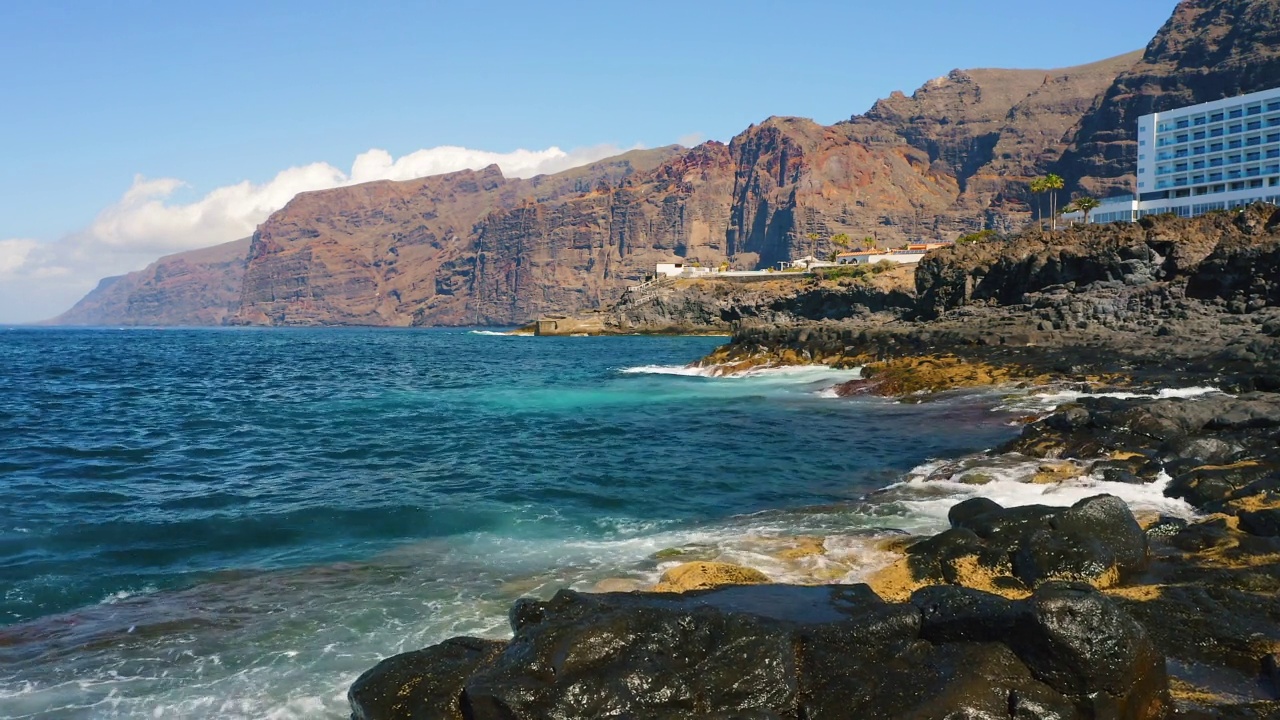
{"points": [[39, 279]]}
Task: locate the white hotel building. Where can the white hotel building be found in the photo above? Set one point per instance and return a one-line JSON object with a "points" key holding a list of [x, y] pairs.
{"points": [[1212, 156]]}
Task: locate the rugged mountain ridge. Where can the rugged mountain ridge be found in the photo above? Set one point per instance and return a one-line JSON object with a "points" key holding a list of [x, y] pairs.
{"points": [[478, 248], [778, 190]]}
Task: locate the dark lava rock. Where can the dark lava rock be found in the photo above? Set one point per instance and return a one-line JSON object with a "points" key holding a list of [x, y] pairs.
{"points": [[423, 684], [1265, 523], [788, 652], [1097, 540]]}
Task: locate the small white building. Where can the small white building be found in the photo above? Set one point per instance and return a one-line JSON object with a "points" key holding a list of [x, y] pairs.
{"points": [[680, 269], [871, 257]]}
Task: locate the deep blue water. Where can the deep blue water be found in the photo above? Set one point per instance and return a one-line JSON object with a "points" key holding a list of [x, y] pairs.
{"points": [[234, 523]]}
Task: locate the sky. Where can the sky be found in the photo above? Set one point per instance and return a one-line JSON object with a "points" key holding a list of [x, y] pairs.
{"points": [[134, 129]]}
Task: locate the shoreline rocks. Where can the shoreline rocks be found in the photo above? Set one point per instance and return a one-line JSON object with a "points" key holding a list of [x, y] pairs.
{"points": [[779, 651]]}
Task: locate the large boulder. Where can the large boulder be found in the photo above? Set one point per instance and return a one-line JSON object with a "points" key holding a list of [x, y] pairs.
{"points": [[789, 652], [423, 684], [1010, 551]]}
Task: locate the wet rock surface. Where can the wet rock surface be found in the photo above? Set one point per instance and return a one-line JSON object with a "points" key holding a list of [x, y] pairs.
{"points": [[775, 651], [1010, 551]]}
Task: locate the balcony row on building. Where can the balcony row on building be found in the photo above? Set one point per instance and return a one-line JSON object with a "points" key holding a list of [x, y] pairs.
{"points": [[1217, 155]]}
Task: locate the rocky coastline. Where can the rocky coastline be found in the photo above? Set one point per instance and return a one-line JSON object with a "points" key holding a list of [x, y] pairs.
{"points": [[1166, 333]]}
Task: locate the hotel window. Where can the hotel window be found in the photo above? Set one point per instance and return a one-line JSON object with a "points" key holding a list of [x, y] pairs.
{"points": [[1213, 177], [1219, 188], [1255, 140], [1142, 171], [1255, 110], [1197, 179], [1237, 186], [1255, 184], [1199, 135], [1197, 165], [1216, 117], [1253, 156], [1182, 124], [1271, 169], [1181, 139], [1234, 144], [1273, 106], [1236, 113], [1274, 137], [1273, 153], [1253, 172], [1216, 132], [1216, 147], [1233, 159], [1216, 162], [1235, 129], [1198, 150], [1142, 143], [1200, 120], [1272, 122], [1181, 153], [1180, 167], [1255, 125]]}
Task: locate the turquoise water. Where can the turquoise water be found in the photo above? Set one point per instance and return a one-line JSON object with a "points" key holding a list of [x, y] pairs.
{"points": [[236, 523]]}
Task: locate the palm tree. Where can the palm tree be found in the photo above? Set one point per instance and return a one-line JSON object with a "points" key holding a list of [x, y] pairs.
{"points": [[1038, 188], [1053, 184], [869, 243], [1086, 205]]}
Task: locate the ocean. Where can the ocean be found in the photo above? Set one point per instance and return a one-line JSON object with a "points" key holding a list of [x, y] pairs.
{"points": [[236, 523]]}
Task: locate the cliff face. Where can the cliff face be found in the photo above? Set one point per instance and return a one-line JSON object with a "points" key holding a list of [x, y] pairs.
{"points": [[392, 253], [201, 287], [1208, 50], [954, 157], [477, 248]]}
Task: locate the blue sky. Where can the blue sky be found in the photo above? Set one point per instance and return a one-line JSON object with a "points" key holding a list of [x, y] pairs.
{"points": [[213, 94]]}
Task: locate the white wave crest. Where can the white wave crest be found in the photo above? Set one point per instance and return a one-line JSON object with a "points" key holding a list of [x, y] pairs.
{"points": [[1047, 402], [684, 370], [490, 332], [800, 373], [930, 490]]}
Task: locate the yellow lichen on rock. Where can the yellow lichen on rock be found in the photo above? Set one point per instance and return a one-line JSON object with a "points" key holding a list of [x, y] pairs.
{"points": [[805, 546], [707, 575], [1056, 472]]}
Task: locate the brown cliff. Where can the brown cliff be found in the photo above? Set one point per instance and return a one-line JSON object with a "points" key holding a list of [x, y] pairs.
{"points": [[477, 248], [199, 287], [955, 156]]}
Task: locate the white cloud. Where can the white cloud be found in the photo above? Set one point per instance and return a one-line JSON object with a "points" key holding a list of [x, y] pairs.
{"points": [[41, 279], [14, 253]]}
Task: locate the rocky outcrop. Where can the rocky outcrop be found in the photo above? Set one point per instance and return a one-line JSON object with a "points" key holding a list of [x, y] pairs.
{"points": [[771, 651], [199, 287], [1010, 551], [1162, 297], [1208, 50]]}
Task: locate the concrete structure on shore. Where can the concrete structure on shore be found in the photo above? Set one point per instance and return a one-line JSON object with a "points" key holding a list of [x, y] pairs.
{"points": [[909, 255], [1217, 155]]}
